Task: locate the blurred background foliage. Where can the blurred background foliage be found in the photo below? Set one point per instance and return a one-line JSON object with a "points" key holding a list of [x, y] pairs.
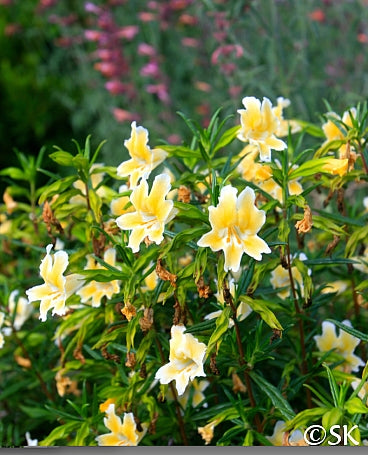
{"points": [[72, 68]]}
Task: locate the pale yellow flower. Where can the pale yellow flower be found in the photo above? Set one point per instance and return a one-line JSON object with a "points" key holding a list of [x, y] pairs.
{"points": [[2, 317], [5, 224], [57, 287], [362, 265], [235, 222], [64, 385], [122, 434], [259, 125], [280, 279], [143, 159], [95, 290], [363, 392], [197, 397], [281, 438], [152, 212], [104, 406], [338, 286], [207, 432], [121, 205], [336, 166], [365, 204], [96, 179], [344, 345], [185, 359], [334, 132], [249, 169], [284, 125], [22, 308]]}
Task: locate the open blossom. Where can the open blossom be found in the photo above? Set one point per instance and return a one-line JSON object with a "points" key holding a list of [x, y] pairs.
{"points": [[336, 166], [282, 438], [338, 131], [2, 317], [143, 158], [284, 125], [344, 345], [57, 287], [95, 290], [22, 308], [251, 170], [122, 433], [259, 125], [280, 278], [235, 222], [96, 180], [185, 359], [152, 212]]}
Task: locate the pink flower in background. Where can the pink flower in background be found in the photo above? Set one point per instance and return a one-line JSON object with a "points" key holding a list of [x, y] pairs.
{"points": [[145, 16], [225, 51], [92, 35], [92, 8], [189, 42], [115, 87], [160, 90], [121, 115], [128, 32], [146, 49]]}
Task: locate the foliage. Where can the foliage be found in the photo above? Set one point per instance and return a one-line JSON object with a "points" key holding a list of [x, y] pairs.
{"points": [[277, 334]]}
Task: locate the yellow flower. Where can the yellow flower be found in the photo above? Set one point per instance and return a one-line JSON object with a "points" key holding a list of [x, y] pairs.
{"points": [[197, 397], [57, 287], [9, 202], [344, 345], [22, 309], [207, 432], [334, 132], [235, 222], [122, 434], [259, 125], [284, 125], [143, 159], [120, 205], [2, 317], [336, 166], [185, 359], [96, 179], [151, 214], [338, 286], [104, 406], [281, 438], [97, 290], [249, 169]]}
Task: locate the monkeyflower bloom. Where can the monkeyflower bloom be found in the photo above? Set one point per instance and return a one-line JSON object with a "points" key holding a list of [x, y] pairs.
{"points": [[259, 125], [235, 222], [96, 180], [335, 131], [57, 287], [2, 317], [284, 125], [122, 434], [121, 205], [185, 359], [207, 432], [280, 437], [344, 345], [249, 169], [336, 166], [95, 290], [143, 159], [22, 309], [152, 212]]}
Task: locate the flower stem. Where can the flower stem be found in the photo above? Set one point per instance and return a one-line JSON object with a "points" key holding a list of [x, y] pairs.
{"points": [[229, 300]]}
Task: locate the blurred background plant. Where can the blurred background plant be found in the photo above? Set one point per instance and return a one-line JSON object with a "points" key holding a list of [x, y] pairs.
{"points": [[74, 68]]}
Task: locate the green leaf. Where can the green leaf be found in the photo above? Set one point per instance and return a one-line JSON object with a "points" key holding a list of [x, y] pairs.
{"points": [[222, 325], [57, 187], [180, 151], [355, 406], [329, 261], [81, 435], [261, 307], [60, 432], [356, 333], [14, 172], [228, 136], [190, 212], [305, 418], [62, 158], [333, 385], [309, 168], [274, 395]]}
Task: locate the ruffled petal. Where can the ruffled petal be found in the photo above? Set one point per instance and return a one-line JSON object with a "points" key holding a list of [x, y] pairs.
{"points": [[254, 246]]}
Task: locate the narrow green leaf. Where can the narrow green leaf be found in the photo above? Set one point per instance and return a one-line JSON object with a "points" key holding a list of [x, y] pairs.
{"points": [[274, 394], [356, 333], [261, 307]]}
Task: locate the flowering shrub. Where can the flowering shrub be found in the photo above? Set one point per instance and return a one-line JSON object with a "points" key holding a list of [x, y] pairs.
{"points": [[212, 292]]}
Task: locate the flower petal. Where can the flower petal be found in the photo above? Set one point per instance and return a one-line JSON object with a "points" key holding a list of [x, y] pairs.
{"points": [[254, 246]]}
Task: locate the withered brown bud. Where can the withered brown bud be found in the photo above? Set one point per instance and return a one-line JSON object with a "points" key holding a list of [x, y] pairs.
{"points": [[146, 321], [238, 385], [164, 274], [130, 360], [305, 225], [184, 194]]}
